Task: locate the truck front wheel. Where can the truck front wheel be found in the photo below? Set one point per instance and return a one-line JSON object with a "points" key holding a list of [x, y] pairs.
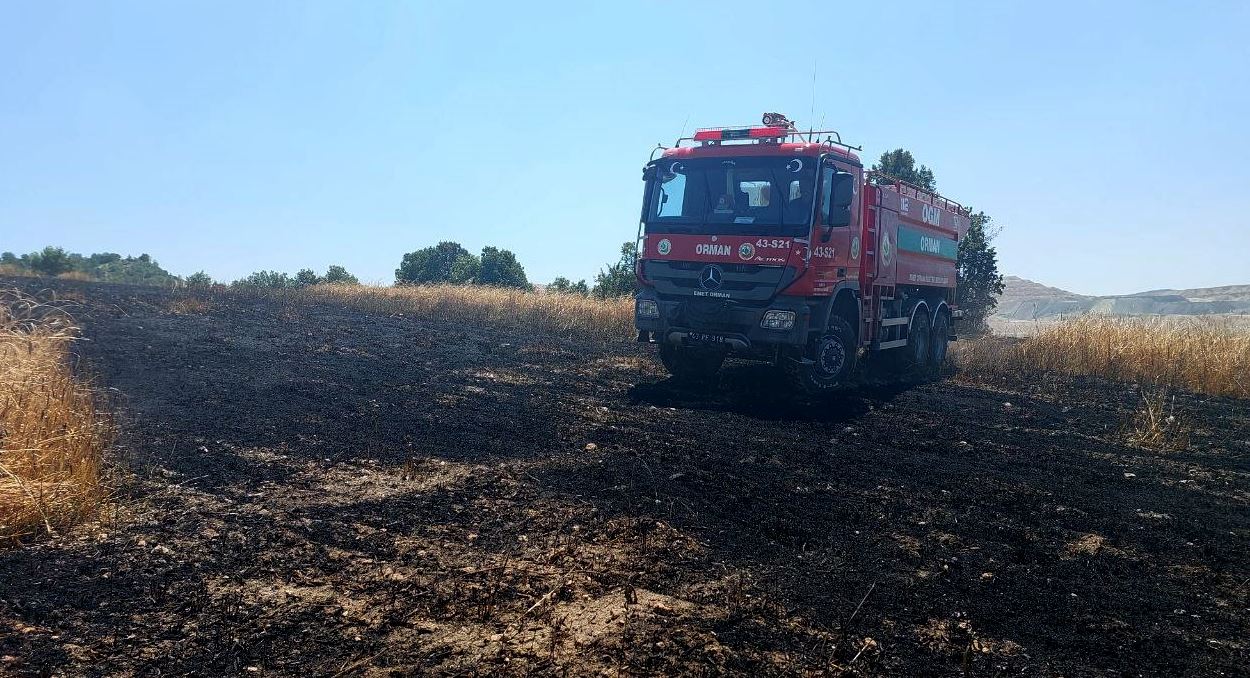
{"points": [[828, 361], [691, 364]]}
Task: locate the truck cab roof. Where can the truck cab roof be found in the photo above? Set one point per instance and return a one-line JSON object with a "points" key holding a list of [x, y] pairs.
{"points": [[762, 149]]}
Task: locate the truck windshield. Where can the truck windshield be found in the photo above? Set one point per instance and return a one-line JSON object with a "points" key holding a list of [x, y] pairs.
{"points": [[731, 195]]}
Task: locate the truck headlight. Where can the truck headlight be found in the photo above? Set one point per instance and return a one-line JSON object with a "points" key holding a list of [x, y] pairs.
{"points": [[778, 320], [647, 308]]}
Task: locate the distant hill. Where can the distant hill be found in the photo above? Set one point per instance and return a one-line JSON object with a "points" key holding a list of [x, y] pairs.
{"points": [[1024, 299], [1225, 293]]}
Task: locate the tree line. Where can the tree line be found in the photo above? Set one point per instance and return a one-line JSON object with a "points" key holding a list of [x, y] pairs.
{"points": [[445, 263], [144, 270], [102, 266], [450, 263]]}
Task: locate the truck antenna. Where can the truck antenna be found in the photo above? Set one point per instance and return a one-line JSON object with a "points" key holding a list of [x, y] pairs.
{"points": [[812, 116]]}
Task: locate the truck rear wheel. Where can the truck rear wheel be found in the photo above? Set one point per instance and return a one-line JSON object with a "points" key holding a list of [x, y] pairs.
{"points": [[830, 359], [691, 364], [914, 357], [911, 361]]}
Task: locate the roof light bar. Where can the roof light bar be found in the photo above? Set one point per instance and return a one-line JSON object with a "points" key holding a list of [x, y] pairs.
{"points": [[732, 133]]}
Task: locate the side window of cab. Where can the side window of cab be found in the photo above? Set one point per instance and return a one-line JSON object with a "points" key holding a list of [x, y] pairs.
{"points": [[837, 192], [826, 192]]}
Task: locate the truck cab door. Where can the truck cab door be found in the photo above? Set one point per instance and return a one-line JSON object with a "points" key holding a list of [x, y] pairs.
{"points": [[836, 222]]}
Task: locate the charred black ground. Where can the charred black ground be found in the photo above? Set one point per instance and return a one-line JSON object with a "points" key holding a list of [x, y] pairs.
{"points": [[317, 491]]}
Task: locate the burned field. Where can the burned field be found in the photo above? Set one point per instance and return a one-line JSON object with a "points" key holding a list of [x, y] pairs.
{"points": [[306, 489]]}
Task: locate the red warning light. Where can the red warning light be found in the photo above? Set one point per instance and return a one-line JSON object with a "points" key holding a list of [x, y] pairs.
{"points": [[731, 133]]}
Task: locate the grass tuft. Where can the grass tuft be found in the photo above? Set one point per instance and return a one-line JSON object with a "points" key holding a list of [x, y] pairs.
{"points": [[51, 435], [1158, 424]]}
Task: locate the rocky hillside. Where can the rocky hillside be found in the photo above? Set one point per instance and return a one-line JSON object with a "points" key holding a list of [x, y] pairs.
{"points": [[1024, 299]]}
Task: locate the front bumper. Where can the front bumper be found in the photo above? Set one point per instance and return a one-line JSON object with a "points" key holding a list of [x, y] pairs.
{"points": [[687, 320]]}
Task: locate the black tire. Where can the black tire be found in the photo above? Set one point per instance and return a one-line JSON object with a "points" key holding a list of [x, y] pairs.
{"points": [[691, 364], [915, 355], [910, 362], [832, 357], [940, 336]]}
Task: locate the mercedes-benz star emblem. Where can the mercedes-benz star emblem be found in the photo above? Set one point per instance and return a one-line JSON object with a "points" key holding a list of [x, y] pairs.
{"points": [[710, 278]]}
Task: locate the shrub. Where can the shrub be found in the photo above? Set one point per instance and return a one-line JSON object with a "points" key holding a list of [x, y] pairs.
{"points": [[51, 261], [618, 280], [338, 275], [564, 286], [265, 279], [306, 277], [199, 279], [430, 265]]}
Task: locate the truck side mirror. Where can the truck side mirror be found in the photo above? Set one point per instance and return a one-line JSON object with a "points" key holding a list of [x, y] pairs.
{"points": [[648, 176], [840, 195]]}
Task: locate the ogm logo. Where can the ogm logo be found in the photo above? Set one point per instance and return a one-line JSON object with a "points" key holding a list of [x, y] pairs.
{"points": [[745, 251], [664, 247], [931, 215], [710, 278]]}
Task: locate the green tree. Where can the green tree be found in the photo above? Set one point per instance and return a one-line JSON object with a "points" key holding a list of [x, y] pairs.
{"points": [[338, 275], [618, 279], [465, 269], [901, 164], [51, 261], [102, 258], [500, 268], [140, 270], [565, 286], [307, 277], [266, 279], [199, 279], [429, 265], [979, 282]]}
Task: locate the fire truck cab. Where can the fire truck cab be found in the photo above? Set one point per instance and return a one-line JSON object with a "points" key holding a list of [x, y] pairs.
{"points": [[766, 243]]}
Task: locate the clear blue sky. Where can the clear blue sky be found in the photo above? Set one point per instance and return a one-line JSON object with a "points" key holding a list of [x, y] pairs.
{"points": [[1111, 140]]}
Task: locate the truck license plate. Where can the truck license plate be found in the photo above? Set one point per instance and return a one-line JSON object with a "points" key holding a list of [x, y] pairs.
{"points": [[701, 338]]}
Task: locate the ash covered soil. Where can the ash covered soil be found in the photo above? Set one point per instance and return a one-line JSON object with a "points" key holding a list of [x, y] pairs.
{"points": [[311, 490]]}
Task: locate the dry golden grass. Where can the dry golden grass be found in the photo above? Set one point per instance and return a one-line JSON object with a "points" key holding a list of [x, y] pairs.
{"points": [[75, 275], [548, 312], [1159, 424], [189, 306], [51, 435], [1209, 356]]}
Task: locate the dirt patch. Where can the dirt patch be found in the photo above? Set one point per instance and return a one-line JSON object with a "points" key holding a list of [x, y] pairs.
{"points": [[324, 491]]}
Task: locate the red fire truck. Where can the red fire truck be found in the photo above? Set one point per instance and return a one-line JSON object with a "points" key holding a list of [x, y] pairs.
{"points": [[768, 243]]}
